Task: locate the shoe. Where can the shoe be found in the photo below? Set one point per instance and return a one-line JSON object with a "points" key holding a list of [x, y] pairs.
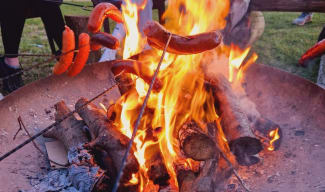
{"points": [[304, 18], [12, 83]]}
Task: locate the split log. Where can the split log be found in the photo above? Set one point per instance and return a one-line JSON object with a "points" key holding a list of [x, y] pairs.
{"points": [[234, 121], [70, 131], [106, 136], [157, 36], [289, 5], [185, 178], [157, 170], [211, 178], [195, 143]]}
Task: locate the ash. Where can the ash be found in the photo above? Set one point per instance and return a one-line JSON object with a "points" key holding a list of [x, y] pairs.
{"points": [[79, 176]]}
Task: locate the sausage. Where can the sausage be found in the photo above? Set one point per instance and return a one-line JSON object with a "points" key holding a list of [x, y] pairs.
{"points": [[317, 50], [105, 39], [95, 46], [100, 12], [82, 56], [68, 46], [135, 67], [157, 37]]}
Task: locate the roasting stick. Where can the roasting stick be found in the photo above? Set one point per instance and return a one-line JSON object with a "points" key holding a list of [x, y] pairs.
{"points": [[55, 124], [22, 126], [137, 122]]}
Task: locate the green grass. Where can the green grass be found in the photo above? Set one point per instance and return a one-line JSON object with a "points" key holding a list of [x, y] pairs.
{"points": [[282, 43], [280, 46]]}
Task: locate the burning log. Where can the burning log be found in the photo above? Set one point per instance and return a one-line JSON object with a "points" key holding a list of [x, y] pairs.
{"points": [[234, 121], [69, 131], [157, 37], [135, 67], [185, 178], [212, 176], [105, 136], [195, 143], [157, 170]]}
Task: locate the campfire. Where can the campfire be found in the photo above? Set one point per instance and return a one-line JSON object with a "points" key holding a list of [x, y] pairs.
{"points": [[198, 126]]}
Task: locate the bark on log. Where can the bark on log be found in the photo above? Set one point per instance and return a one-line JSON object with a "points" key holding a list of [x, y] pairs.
{"points": [[69, 131], [288, 5], [234, 121], [79, 25], [185, 178], [157, 170], [105, 136], [195, 143], [212, 176]]}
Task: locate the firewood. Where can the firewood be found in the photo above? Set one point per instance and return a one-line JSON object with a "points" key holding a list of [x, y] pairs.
{"points": [[243, 143], [106, 136], [157, 170], [185, 178], [212, 176], [69, 131], [195, 143]]}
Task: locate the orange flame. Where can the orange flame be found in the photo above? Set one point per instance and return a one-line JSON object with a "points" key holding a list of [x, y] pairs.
{"points": [[274, 134], [183, 95], [236, 58]]}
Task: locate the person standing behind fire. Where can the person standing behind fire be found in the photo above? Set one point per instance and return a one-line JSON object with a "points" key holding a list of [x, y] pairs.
{"points": [[119, 31], [12, 20]]}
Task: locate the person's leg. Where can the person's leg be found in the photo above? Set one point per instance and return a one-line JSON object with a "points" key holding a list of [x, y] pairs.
{"points": [[304, 18], [52, 18], [12, 23]]}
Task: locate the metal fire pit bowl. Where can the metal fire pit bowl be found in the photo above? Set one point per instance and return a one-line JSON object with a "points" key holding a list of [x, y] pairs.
{"points": [[296, 104]]}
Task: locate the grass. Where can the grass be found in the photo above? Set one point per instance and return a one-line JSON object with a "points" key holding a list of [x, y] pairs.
{"points": [[280, 46], [282, 43]]}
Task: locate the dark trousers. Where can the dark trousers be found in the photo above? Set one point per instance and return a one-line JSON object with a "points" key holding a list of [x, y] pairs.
{"points": [[12, 18]]}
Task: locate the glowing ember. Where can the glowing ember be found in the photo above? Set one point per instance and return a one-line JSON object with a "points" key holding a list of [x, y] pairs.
{"points": [[275, 136]]}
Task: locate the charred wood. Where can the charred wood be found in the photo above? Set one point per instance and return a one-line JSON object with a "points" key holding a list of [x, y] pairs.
{"points": [[157, 170], [105, 136], [235, 124], [195, 143]]}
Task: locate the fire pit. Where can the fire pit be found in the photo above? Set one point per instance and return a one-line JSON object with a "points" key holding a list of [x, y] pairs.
{"points": [[213, 121], [295, 104]]}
